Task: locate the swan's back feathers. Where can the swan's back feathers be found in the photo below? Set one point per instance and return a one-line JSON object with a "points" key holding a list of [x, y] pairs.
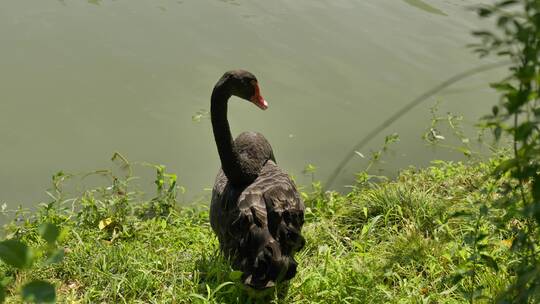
{"points": [[259, 226], [253, 151]]}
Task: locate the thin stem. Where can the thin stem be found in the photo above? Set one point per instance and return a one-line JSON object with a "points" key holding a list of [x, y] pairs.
{"points": [[516, 157], [475, 248]]}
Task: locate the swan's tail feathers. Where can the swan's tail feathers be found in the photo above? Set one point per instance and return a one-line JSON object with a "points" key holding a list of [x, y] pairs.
{"points": [[285, 226], [262, 262], [290, 238]]}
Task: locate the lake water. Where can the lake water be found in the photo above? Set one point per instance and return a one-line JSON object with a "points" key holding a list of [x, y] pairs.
{"points": [[82, 79]]}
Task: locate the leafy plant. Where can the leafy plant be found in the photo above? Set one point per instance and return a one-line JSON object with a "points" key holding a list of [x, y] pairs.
{"points": [[166, 193], [364, 177], [18, 255], [517, 116], [200, 115], [434, 136]]}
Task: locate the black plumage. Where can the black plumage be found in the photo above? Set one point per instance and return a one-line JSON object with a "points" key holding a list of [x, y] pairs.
{"points": [[256, 211]]}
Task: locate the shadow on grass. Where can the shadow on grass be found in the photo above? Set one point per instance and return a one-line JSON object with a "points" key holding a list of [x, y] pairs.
{"points": [[214, 276]]}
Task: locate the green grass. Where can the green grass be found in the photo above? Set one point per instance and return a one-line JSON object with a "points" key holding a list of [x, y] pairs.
{"points": [[401, 241]]}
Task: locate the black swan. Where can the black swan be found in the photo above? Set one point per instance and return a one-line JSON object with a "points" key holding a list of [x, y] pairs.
{"points": [[256, 211]]}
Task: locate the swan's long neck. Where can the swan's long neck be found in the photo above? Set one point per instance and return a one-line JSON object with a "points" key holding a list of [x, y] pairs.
{"points": [[230, 162]]}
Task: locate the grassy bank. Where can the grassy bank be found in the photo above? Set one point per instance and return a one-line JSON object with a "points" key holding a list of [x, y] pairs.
{"points": [[401, 241]]}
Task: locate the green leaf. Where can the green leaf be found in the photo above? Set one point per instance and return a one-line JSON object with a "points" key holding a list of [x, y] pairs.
{"points": [[15, 253], [484, 11], [198, 296], [524, 131], [482, 34], [2, 294], [490, 261], [5, 281], [465, 151], [392, 138], [235, 275], [516, 100], [221, 286], [506, 3], [460, 213], [56, 257], [536, 188], [503, 20], [39, 292], [505, 166], [484, 210], [457, 278], [309, 169], [502, 87], [497, 132], [49, 232], [495, 110]]}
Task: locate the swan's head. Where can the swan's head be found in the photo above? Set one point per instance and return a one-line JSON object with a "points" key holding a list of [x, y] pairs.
{"points": [[243, 84]]}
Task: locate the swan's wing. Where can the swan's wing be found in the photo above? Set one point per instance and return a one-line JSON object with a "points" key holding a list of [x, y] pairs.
{"points": [[268, 226], [273, 203], [284, 207]]}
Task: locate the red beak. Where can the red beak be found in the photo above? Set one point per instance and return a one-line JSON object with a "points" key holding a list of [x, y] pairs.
{"points": [[257, 99]]}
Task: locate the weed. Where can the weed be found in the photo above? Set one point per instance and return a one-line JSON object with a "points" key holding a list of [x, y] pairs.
{"points": [[395, 241]]}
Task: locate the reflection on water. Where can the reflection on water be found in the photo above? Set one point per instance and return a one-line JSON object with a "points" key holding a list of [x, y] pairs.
{"points": [[95, 2], [78, 83], [231, 2], [425, 7]]}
